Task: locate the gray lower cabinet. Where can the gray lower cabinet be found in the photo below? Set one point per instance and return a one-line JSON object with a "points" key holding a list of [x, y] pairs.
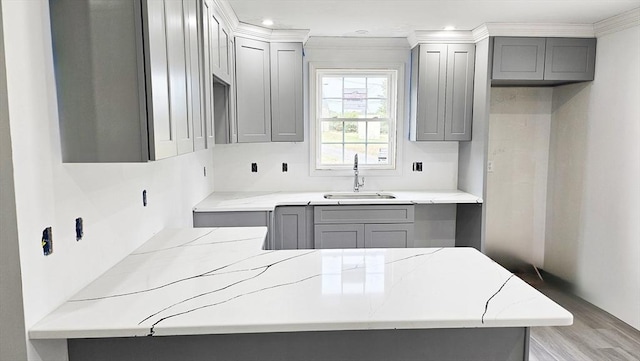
{"points": [[540, 61], [370, 226], [328, 236], [442, 92], [388, 235], [268, 91], [292, 227]]}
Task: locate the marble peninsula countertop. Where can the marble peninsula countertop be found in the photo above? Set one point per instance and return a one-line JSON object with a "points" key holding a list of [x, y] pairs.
{"points": [[267, 201], [220, 281]]}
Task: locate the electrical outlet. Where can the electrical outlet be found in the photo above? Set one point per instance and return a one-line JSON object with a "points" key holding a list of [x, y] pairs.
{"points": [[144, 198], [47, 241], [417, 166], [254, 167], [79, 229], [285, 167], [490, 166]]}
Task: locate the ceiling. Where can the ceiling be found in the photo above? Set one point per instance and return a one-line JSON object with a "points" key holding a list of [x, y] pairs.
{"points": [[399, 18]]}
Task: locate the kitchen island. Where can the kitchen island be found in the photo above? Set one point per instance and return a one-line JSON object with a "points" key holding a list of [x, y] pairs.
{"points": [[215, 293]]}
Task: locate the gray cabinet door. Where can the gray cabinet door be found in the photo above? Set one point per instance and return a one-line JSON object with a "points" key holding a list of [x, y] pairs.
{"points": [[178, 102], [207, 76], [429, 65], [162, 142], [518, 58], [570, 59], [459, 93], [286, 92], [290, 227], [338, 236], [253, 98], [388, 235], [195, 105]]}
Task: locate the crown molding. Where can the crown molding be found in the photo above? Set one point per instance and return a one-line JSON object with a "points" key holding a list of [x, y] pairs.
{"points": [[269, 35], [439, 37], [224, 9], [480, 33], [356, 43], [229, 17], [617, 23], [539, 30]]}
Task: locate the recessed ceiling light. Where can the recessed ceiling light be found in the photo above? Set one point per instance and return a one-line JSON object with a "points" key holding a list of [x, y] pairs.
{"points": [[267, 22], [449, 28]]}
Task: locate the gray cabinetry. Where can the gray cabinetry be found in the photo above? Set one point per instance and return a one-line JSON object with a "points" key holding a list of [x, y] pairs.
{"points": [[570, 59], [541, 61], [518, 58], [268, 91], [442, 92], [292, 227], [128, 79], [286, 92], [331, 236], [379, 226], [253, 91], [388, 235]]}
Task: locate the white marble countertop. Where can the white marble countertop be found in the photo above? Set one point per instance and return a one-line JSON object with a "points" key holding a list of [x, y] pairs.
{"points": [[220, 280], [267, 201]]}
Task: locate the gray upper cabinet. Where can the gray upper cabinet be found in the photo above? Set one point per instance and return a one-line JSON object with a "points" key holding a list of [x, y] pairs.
{"points": [[442, 92], [286, 92], [459, 94], [542, 61], [570, 59], [253, 91], [268, 91], [128, 79], [518, 58]]}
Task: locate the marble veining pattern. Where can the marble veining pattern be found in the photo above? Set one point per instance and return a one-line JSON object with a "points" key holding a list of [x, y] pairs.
{"points": [[204, 280]]}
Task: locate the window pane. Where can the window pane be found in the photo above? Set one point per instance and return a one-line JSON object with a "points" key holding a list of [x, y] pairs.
{"points": [[331, 132], [332, 87], [377, 108], [355, 131], [331, 108], [377, 154], [355, 97], [331, 154], [377, 87], [359, 84], [378, 132], [350, 151]]}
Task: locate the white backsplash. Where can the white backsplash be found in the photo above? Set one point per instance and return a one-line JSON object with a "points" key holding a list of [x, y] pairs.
{"points": [[233, 169]]}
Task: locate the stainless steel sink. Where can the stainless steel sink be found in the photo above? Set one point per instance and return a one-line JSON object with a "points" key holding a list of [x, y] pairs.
{"points": [[359, 195]]}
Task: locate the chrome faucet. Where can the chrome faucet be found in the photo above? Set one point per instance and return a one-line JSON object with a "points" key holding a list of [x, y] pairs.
{"points": [[356, 181]]}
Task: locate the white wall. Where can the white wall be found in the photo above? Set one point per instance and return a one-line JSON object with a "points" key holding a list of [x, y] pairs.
{"points": [[48, 193], [518, 152], [593, 234], [440, 159]]}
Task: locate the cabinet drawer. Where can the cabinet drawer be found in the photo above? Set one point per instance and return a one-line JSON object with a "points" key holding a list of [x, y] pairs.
{"points": [[364, 214]]}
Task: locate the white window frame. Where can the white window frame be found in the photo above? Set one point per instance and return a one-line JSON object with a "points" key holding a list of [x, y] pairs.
{"points": [[396, 99]]}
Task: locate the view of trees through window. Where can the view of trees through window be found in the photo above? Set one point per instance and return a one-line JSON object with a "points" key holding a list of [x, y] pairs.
{"points": [[354, 114]]}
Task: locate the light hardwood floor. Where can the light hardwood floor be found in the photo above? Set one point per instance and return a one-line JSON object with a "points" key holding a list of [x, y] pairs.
{"points": [[595, 334]]}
